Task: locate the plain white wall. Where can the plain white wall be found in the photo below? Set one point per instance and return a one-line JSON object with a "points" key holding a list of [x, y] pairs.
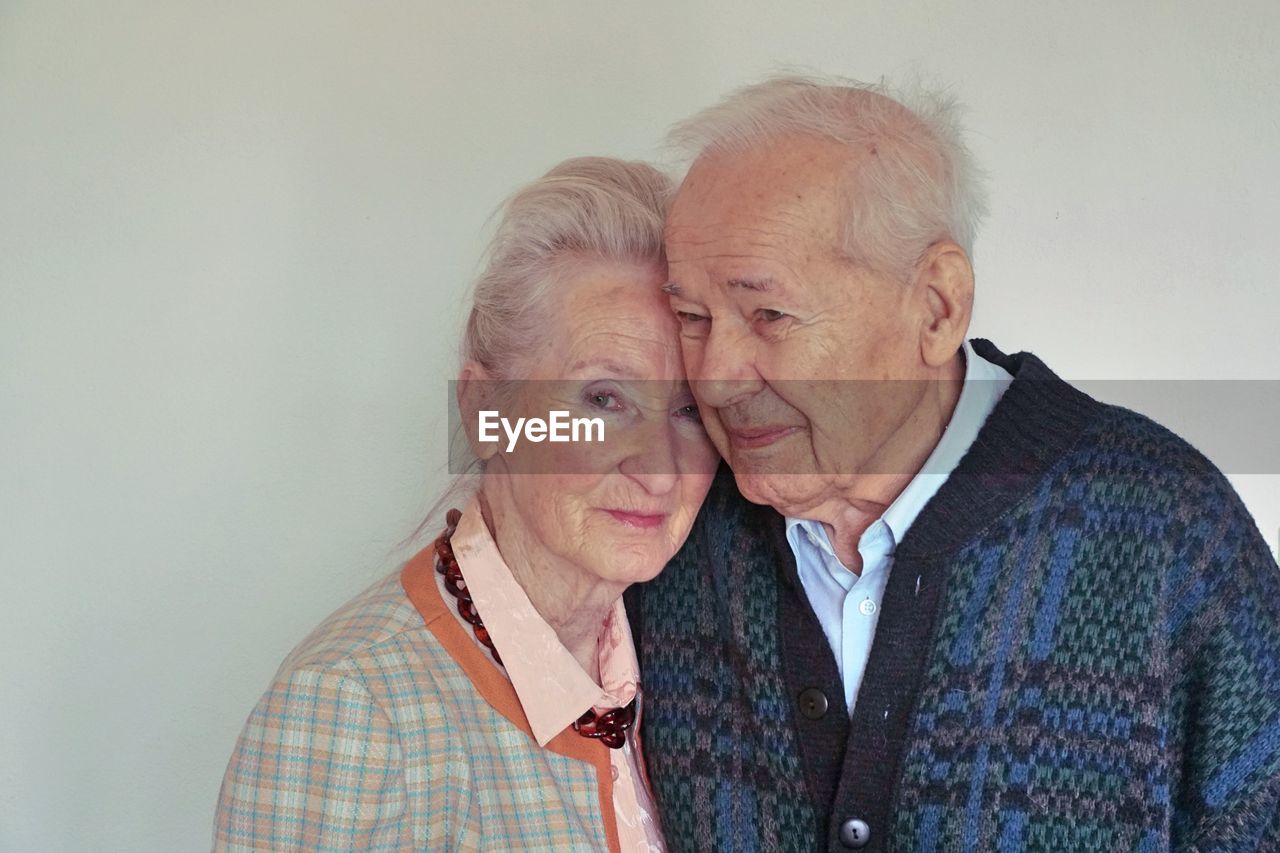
{"points": [[234, 238]]}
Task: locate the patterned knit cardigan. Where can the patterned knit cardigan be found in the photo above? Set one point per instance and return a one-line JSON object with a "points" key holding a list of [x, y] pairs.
{"points": [[389, 729], [1078, 649]]}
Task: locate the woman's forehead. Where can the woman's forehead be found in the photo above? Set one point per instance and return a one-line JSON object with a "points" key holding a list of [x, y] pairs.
{"points": [[614, 322]]}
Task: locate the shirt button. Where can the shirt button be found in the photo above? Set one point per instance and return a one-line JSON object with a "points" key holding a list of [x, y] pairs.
{"points": [[613, 771], [867, 607], [854, 833], [813, 703]]}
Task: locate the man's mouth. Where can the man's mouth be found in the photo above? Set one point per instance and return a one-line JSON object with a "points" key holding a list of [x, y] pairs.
{"points": [[754, 438]]}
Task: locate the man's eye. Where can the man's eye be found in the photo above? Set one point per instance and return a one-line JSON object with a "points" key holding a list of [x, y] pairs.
{"points": [[689, 317], [769, 315]]}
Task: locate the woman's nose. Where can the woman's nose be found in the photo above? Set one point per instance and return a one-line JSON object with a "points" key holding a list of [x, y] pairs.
{"points": [[652, 461]]}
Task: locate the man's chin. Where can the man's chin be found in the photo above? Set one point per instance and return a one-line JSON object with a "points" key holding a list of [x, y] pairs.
{"points": [[787, 493], [751, 488]]}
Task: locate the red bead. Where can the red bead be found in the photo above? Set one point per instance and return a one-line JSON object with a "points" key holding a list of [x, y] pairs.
{"points": [[468, 612]]}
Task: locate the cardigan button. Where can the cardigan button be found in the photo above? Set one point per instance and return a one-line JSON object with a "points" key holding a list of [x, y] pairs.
{"points": [[854, 833], [813, 703]]}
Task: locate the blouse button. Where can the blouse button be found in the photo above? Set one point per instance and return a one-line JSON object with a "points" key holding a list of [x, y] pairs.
{"points": [[613, 771]]}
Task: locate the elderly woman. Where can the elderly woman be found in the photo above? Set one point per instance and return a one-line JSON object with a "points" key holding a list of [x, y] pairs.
{"points": [[486, 695]]}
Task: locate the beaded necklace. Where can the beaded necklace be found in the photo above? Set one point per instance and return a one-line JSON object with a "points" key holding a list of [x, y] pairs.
{"points": [[610, 727]]}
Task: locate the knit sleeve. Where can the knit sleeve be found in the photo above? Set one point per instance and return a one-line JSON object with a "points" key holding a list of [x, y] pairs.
{"points": [[317, 767], [1225, 619]]}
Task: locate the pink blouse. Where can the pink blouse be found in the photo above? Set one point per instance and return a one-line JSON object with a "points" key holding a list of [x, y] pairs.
{"points": [[553, 688]]}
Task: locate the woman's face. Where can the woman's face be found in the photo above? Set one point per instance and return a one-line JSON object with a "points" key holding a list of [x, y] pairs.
{"points": [[619, 507]]}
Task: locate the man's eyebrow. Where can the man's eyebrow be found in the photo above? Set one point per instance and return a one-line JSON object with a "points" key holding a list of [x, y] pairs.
{"points": [[763, 285]]}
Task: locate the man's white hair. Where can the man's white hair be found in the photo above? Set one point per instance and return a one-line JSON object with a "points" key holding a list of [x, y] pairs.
{"points": [[916, 185]]}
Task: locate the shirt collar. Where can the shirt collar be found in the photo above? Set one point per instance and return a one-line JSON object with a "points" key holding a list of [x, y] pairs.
{"points": [[984, 384], [553, 688]]}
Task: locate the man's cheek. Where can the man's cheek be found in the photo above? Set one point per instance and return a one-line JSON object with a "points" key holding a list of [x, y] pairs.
{"points": [[715, 431], [691, 352]]}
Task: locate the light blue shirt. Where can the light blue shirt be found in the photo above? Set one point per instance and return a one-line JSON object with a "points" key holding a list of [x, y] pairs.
{"points": [[848, 605]]}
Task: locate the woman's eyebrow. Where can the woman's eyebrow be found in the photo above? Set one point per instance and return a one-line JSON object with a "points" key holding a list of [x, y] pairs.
{"points": [[607, 366]]}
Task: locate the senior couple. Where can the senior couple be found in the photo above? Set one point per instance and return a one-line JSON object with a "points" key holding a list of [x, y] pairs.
{"points": [[889, 588]]}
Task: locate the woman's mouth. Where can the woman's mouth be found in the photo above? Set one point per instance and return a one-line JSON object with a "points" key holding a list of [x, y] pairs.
{"points": [[638, 520]]}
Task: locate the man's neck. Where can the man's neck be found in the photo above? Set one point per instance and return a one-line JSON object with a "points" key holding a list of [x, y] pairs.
{"points": [[865, 497]]}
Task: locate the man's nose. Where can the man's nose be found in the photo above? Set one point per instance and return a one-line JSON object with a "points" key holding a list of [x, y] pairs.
{"points": [[726, 370]]}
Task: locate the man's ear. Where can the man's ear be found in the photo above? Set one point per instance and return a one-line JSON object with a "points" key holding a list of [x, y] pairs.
{"points": [[945, 278], [475, 393]]}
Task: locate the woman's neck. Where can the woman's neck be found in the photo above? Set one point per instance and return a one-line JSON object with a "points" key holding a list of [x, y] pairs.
{"points": [[574, 601]]}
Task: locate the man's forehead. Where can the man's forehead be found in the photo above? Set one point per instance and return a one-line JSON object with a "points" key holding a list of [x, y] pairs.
{"points": [[745, 240], [785, 229], [762, 194], [787, 165]]}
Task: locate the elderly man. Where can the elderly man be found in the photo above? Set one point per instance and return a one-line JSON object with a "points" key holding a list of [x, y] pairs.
{"points": [[944, 601]]}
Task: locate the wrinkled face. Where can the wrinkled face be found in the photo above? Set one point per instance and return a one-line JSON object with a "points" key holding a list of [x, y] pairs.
{"points": [[775, 324], [618, 508]]}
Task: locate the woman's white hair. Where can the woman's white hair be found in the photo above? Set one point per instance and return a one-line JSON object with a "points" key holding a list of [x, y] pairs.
{"points": [[585, 209], [916, 184]]}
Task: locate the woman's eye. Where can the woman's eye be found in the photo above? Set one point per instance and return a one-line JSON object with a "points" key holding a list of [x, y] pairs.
{"points": [[603, 399], [769, 315], [690, 412], [689, 317]]}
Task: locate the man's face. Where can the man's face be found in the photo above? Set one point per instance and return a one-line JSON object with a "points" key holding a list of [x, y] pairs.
{"points": [[776, 324]]}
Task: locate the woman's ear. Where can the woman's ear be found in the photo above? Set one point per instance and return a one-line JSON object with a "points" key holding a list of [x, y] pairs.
{"points": [[475, 394]]}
